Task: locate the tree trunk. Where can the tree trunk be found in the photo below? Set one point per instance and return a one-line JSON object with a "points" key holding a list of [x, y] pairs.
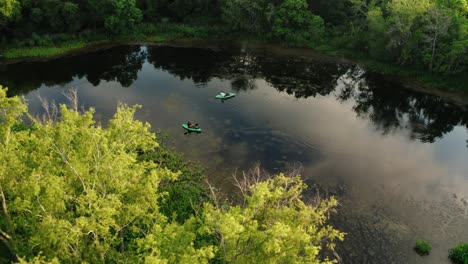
{"points": [[434, 43]]}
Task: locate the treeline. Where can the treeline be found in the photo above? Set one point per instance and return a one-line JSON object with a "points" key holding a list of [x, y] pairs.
{"points": [[430, 35]]}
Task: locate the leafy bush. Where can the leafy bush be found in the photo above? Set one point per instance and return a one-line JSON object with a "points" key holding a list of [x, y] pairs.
{"points": [[21, 126], [46, 40], [123, 16], [181, 200], [148, 29], [423, 247], [63, 37], [252, 16], [296, 25], [459, 254], [273, 224]]}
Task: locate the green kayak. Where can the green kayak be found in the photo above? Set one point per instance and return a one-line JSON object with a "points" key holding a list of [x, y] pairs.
{"points": [[226, 96], [190, 129]]}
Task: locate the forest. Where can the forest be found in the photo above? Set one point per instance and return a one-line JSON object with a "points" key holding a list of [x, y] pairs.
{"points": [[427, 35]]}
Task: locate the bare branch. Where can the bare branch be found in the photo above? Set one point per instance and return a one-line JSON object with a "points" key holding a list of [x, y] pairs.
{"points": [[51, 109], [250, 178], [213, 194], [72, 96]]}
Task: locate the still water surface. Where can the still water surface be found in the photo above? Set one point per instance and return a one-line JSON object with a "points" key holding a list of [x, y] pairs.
{"points": [[396, 159]]}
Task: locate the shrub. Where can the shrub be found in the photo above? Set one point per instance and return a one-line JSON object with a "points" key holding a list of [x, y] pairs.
{"points": [[62, 37], [422, 247], [35, 40], [296, 25], [181, 200], [46, 40], [21, 126], [459, 254], [149, 29]]}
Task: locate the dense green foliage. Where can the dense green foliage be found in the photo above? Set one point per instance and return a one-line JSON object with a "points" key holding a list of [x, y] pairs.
{"points": [[429, 35], [459, 254], [295, 24], [272, 225], [72, 191], [423, 247], [184, 196]]}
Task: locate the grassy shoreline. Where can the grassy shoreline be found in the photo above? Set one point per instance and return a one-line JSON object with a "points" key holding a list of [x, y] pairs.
{"points": [[419, 79], [18, 53], [47, 51]]}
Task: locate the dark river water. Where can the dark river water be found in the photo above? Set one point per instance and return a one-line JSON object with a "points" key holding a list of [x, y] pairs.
{"points": [[396, 159]]}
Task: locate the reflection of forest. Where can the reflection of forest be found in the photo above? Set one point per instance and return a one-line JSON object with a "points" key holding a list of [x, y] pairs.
{"points": [[119, 64], [387, 105], [427, 117]]}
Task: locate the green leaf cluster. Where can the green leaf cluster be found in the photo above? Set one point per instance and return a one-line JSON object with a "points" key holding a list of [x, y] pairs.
{"points": [[9, 11], [459, 254], [122, 15], [253, 16], [426, 34], [423, 247], [294, 23], [274, 225]]}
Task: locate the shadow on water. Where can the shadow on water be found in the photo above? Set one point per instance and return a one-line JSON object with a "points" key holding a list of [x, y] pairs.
{"points": [[377, 233]]}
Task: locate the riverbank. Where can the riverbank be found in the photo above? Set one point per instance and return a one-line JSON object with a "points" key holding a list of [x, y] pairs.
{"points": [[52, 46], [454, 87], [14, 55]]}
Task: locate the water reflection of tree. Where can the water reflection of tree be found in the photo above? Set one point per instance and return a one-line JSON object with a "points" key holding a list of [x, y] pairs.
{"points": [[304, 79], [126, 73], [200, 65], [242, 69], [427, 117], [388, 106], [119, 64], [243, 83]]}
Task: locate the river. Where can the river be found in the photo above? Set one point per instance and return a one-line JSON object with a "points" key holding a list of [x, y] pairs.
{"points": [[396, 159]]}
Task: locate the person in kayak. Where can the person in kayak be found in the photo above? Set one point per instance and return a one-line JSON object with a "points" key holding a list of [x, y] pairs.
{"points": [[222, 94], [190, 125]]}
